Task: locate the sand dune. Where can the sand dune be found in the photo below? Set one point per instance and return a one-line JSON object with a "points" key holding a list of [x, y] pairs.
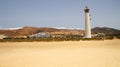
{"points": [[60, 54]]}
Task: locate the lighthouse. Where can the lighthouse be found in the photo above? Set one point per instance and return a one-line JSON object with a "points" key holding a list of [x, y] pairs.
{"points": [[87, 23]]}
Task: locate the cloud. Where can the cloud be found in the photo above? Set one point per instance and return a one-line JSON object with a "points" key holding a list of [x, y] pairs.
{"points": [[10, 28]]}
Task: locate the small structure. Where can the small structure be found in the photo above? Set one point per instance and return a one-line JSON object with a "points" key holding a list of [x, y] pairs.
{"points": [[58, 36], [2, 36], [20, 37], [40, 35], [98, 35]]}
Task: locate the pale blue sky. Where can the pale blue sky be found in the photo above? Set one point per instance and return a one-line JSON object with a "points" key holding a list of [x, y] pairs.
{"points": [[59, 13]]}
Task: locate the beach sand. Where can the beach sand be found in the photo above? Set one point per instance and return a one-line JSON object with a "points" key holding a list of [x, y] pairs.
{"points": [[60, 54]]}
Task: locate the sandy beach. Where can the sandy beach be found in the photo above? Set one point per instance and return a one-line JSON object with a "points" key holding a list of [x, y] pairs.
{"points": [[60, 54]]}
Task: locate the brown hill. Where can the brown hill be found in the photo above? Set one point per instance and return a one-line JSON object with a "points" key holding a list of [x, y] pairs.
{"points": [[26, 31], [32, 30], [106, 30]]}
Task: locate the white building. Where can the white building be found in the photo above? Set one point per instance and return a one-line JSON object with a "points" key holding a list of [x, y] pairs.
{"points": [[87, 23], [40, 35], [98, 35], [2, 36]]}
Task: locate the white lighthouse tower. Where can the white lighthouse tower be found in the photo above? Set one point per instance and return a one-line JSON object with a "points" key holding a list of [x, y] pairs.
{"points": [[87, 23]]}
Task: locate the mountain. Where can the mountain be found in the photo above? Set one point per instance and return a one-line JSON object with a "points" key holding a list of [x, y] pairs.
{"points": [[106, 30], [32, 30], [10, 28], [26, 31]]}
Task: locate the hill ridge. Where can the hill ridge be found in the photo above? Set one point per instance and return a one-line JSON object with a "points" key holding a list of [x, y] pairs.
{"points": [[29, 30]]}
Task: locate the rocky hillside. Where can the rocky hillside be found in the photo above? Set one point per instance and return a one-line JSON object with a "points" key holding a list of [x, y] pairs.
{"points": [[106, 30], [26, 31], [32, 30]]}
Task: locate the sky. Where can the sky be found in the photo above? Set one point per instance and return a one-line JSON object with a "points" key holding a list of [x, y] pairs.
{"points": [[59, 13]]}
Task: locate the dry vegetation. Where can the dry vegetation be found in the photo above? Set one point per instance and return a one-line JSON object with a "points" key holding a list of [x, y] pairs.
{"points": [[60, 54]]}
